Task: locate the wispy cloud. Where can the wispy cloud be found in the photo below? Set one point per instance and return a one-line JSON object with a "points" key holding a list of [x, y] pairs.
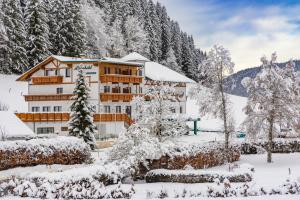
{"points": [[248, 30]]}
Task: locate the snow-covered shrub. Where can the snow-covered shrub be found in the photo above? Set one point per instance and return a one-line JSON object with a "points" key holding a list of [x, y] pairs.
{"points": [[59, 150], [278, 146], [197, 156], [195, 176], [91, 182]]}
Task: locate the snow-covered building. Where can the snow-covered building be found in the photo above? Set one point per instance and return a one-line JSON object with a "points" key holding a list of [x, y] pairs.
{"points": [[11, 127], [113, 83]]}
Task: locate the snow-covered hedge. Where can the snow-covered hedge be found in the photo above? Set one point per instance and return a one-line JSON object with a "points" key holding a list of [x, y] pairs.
{"points": [[59, 150], [79, 183], [279, 146], [198, 156], [226, 189], [195, 176]]}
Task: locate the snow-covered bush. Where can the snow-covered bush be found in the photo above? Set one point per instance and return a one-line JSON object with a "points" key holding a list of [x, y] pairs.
{"points": [[85, 183], [195, 176], [278, 146], [59, 150]]}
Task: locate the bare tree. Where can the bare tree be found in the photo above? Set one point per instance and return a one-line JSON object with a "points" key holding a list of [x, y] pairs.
{"points": [[210, 94], [273, 100]]}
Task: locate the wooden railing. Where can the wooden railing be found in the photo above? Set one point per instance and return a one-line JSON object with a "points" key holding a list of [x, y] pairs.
{"points": [[44, 80], [126, 97], [59, 117], [116, 78], [55, 97]]}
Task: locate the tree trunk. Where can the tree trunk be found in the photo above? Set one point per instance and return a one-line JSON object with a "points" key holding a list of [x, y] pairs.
{"points": [[270, 140]]}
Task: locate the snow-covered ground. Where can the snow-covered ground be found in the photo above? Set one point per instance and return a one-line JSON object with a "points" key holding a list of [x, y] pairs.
{"points": [[12, 92]]}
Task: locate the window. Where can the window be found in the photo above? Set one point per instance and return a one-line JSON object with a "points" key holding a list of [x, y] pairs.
{"points": [[118, 109], [59, 90], [106, 89], [46, 72], [140, 73], [68, 72], [57, 108], [107, 109], [45, 130], [64, 128], [173, 110], [181, 109], [128, 110], [56, 72], [118, 71], [46, 108], [35, 109], [106, 70], [141, 90]]}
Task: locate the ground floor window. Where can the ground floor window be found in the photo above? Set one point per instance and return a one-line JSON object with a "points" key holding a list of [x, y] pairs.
{"points": [[35, 109], [45, 130]]}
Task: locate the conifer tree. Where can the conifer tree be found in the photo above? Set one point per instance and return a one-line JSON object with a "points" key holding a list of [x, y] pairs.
{"points": [[165, 35], [81, 118], [37, 41], [15, 32], [76, 29]]}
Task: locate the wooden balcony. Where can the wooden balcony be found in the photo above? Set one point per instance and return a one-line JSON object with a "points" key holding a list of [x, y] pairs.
{"points": [[126, 97], [116, 78], [64, 117], [55, 97], [45, 80]]}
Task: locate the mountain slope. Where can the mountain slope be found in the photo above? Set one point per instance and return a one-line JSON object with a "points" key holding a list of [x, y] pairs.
{"points": [[233, 82]]}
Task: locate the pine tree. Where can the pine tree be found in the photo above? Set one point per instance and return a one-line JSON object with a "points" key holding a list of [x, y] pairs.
{"points": [[57, 27], [176, 42], [37, 41], [165, 35], [186, 56], [15, 32], [76, 29], [81, 118], [273, 101]]}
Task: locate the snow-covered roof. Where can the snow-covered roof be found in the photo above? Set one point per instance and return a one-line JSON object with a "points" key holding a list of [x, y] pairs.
{"points": [[158, 72], [74, 59], [12, 126], [119, 61], [134, 56]]}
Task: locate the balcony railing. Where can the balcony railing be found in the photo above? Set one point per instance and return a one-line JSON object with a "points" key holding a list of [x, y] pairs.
{"points": [[44, 80], [60, 117], [126, 97], [116, 78], [56, 97]]}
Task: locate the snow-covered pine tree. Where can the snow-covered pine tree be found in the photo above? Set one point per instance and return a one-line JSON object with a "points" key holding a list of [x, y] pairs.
{"points": [[176, 43], [76, 29], [165, 35], [37, 40], [81, 118], [57, 27], [4, 64], [273, 100], [186, 56], [116, 43], [209, 93], [15, 32], [135, 38]]}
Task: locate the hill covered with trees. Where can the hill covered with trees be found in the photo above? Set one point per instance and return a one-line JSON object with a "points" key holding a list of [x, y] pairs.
{"points": [[31, 30]]}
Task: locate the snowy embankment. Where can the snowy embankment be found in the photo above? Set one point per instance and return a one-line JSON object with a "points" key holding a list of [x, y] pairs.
{"points": [[12, 92], [210, 123]]}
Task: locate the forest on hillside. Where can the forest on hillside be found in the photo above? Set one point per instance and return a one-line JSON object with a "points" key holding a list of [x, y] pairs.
{"points": [[31, 30]]}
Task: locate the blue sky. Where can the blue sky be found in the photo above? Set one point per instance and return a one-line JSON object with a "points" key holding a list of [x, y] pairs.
{"points": [[248, 28]]}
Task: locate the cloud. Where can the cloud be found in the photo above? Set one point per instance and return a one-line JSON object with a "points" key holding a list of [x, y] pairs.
{"points": [[247, 30]]}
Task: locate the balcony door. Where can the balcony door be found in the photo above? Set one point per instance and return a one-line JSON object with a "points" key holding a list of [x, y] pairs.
{"points": [[128, 110]]}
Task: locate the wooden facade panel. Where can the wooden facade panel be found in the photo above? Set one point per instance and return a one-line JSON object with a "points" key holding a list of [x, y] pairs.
{"points": [[121, 79], [46, 80], [121, 69], [58, 97], [117, 96], [59, 117]]}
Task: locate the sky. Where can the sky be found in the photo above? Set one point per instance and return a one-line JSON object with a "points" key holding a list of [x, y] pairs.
{"points": [[249, 29]]}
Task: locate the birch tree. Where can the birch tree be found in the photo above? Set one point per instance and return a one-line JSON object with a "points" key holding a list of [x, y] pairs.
{"points": [[209, 93], [273, 100]]}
